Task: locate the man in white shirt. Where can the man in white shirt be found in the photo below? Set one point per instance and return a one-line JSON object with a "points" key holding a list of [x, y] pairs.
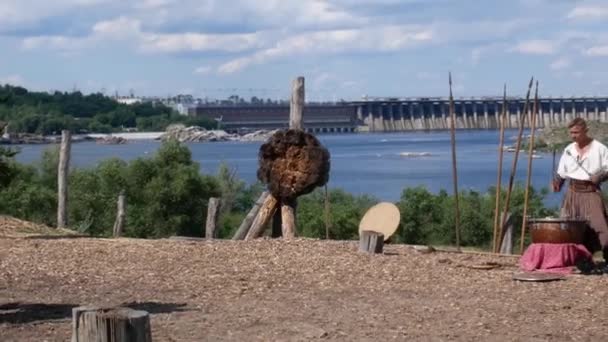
{"points": [[584, 164]]}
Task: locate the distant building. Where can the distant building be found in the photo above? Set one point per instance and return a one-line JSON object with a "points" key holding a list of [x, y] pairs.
{"points": [[128, 100]]}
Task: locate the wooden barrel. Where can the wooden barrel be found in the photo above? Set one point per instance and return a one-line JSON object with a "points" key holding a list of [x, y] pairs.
{"points": [[557, 230]]}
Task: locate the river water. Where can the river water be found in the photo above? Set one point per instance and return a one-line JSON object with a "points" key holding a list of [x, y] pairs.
{"points": [[360, 163]]}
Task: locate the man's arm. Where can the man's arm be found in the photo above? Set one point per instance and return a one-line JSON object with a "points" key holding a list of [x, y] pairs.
{"points": [[560, 174], [602, 176]]}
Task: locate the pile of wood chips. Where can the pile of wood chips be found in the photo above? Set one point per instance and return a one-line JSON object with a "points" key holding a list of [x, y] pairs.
{"points": [[16, 228]]}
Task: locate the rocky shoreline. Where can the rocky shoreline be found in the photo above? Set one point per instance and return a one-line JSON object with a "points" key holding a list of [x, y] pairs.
{"points": [[199, 134], [178, 132]]}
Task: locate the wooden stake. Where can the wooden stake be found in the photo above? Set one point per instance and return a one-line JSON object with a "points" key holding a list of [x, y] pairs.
{"points": [[288, 217], [514, 168], [454, 171], [296, 109], [247, 221], [261, 220], [212, 218], [119, 223], [62, 179], [503, 122], [530, 154], [93, 324]]}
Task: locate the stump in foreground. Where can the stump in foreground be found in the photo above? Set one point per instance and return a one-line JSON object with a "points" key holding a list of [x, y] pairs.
{"points": [[371, 242], [94, 324]]}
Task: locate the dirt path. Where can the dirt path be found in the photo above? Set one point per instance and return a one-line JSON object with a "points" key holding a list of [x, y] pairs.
{"points": [[288, 291]]}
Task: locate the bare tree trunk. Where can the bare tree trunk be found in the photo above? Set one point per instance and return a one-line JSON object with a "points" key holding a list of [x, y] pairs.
{"points": [[62, 179], [212, 217], [246, 224], [120, 215], [260, 222], [92, 324]]}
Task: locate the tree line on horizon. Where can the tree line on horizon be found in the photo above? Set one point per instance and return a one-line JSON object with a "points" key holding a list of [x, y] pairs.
{"points": [[49, 113]]}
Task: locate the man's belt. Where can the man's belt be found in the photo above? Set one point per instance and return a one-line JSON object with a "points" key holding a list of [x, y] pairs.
{"points": [[582, 186]]}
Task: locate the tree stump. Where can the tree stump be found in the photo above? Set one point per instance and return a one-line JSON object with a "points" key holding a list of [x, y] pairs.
{"points": [[94, 324], [371, 242]]}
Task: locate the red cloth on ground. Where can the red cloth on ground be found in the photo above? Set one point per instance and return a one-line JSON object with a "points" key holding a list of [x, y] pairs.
{"points": [[553, 257]]}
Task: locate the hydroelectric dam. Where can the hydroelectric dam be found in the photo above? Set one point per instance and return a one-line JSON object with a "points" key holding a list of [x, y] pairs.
{"points": [[380, 114]]}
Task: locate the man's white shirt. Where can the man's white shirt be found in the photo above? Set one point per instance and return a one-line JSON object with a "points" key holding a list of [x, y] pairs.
{"points": [[573, 165]]}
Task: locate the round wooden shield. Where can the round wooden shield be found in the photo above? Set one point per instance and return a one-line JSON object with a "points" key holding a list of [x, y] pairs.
{"points": [[382, 218], [538, 276]]}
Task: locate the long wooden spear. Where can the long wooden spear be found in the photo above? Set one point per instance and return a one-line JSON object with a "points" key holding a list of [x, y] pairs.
{"points": [[454, 172], [502, 122], [514, 168], [530, 155]]}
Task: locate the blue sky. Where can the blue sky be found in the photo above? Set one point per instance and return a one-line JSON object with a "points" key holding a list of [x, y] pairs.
{"points": [[344, 48]]}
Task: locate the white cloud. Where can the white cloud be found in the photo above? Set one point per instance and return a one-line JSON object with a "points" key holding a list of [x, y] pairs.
{"points": [[185, 42], [560, 63], [536, 47], [597, 51], [382, 39], [20, 14], [588, 13], [203, 70], [55, 43], [120, 27], [12, 80]]}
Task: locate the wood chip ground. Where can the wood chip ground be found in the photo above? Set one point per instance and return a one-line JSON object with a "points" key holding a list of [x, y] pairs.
{"points": [[269, 290]]}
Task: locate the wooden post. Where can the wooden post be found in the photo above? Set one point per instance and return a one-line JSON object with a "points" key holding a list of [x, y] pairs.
{"points": [[288, 217], [62, 180], [454, 171], [371, 242], [246, 224], [503, 122], [261, 220], [296, 107], [119, 223], [514, 167], [507, 238], [93, 324], [212, 217], [530, 155]]}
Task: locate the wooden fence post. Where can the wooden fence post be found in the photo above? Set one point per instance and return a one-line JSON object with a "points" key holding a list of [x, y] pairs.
{"points": [[212, 216], [62, 179], [93, 324], [119, 223]]}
